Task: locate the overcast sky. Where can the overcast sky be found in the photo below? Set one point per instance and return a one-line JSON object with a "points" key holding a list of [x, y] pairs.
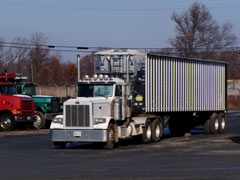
{"points": [[104, 23]]}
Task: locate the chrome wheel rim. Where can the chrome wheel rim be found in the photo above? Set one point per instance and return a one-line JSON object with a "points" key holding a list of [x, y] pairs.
{"points": [[37, 122], [158, 131], [223, 123], [6, 123], [216, 124], [149, 132]]}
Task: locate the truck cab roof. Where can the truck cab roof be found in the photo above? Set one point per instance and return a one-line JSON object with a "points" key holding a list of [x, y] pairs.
{"points": [[6, 84], [101, 81]]}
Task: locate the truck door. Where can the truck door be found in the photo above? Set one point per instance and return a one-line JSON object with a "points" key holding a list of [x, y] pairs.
{"points": [[118, 103]]}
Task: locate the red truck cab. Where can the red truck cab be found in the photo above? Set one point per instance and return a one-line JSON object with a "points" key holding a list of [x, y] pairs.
{"points": [[14, 108]]}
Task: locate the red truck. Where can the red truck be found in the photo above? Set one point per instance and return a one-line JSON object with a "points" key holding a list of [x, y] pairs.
{"points": [[14, 108]]}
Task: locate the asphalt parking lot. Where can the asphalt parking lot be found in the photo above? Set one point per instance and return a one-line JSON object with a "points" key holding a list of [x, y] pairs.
{"points": [[30, 155]]}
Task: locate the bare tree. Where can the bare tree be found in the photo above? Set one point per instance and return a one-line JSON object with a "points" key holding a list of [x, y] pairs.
{"points": [[199, 35], [39, 55], [17, 55], [1, 54], [87, 65]]}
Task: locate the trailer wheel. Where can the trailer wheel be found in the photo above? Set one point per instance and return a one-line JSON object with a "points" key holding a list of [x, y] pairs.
{"points": [[7, 122], [206, 126], [40, 120], [156, 130], [60, 145], [147, 132], [111, 137], [214, 124], [222, 122]]}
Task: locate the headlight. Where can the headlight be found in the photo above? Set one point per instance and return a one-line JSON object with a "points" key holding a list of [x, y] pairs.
{"points": [[15, 111], [99, 120], [58, 120]]}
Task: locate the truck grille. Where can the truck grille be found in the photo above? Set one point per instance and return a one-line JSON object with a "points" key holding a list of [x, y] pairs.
{"points": [[77, 116], [27, 107], [55, 105]]}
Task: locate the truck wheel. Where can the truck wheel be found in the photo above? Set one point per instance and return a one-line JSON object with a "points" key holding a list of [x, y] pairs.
{"points": [[60, 145], [156, 130], [147, 132], [222, 122], [214, 124], [111, 137], [206, 126], [40, 120], [7, 122]]}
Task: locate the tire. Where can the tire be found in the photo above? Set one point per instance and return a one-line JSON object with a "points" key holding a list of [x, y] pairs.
{"points": [[7, 122], [206, 126], [147, 132], [40, 121], [222, 122], [214, 124], [60, 145], [156, 130], [111, 137]]}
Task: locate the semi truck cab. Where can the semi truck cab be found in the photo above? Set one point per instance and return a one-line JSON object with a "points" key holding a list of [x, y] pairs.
{"points": [[100, 100]]}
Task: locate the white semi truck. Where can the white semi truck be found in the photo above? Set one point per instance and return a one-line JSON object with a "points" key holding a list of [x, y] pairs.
{"points": [[137, 94]]}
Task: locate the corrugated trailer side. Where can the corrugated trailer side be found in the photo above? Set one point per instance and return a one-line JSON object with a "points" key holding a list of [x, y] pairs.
{"points": [[174, 84]]}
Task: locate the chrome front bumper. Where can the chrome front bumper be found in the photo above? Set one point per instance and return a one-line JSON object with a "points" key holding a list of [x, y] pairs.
{"points": [[26, 118], [76, 135]]}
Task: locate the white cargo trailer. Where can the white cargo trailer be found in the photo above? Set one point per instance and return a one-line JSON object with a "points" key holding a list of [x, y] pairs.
{"points": [[137, 94]]}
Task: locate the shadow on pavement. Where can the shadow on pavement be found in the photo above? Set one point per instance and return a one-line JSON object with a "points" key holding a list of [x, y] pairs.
{"points": [[235, 139]]}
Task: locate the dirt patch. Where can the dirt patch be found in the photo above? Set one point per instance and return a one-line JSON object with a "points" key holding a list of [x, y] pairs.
{"points": [[23, 132]]}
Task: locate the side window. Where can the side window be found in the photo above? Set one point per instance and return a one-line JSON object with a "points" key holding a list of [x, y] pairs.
{"points": [[118, 91], [19, 91]]}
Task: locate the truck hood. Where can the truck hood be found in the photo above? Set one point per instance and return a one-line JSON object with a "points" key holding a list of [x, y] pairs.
{"points": [[43, 96], [15, 102], [43, 99], [20, 96], [91, 99]]}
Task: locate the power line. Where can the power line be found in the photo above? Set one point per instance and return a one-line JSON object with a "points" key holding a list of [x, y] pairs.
{"points": [[78, 8], [90, 51], [20, 45], [57, 50], [44, 45]]}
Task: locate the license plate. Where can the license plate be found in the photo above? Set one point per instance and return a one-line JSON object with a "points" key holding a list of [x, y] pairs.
{"points": [[77, 133]]}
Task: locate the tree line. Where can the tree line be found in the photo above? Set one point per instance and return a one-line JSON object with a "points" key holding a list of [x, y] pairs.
{"points": [[40, 65], [197, 35]]}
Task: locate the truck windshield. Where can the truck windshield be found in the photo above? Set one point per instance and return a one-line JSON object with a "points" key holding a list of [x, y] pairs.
{"points": [[94, 90], [30, 90], [8, 90]]}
